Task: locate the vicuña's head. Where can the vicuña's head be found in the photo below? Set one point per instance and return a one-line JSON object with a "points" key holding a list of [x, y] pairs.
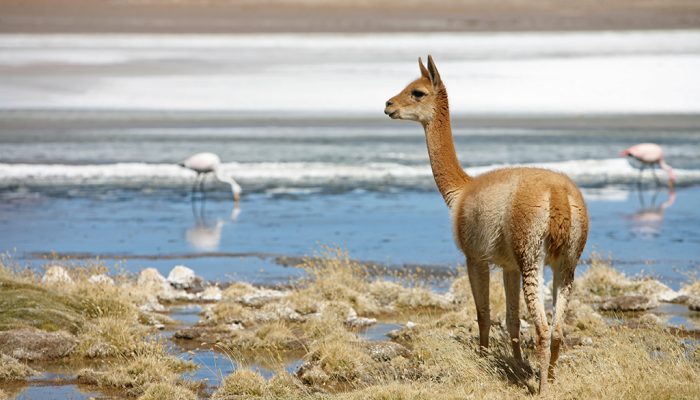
{"points": [[418, 100]]}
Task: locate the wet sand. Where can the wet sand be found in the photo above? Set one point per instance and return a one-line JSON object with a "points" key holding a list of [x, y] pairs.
{"points": [[246, 16]]}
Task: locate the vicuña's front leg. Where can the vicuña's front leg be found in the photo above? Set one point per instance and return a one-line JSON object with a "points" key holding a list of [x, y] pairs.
{"points": [[478, 272], [511, 283]]}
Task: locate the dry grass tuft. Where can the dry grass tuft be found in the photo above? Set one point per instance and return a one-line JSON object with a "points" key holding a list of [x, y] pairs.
{"points": [[162, 391], [13, 370], [244, 383], [135, 374]]}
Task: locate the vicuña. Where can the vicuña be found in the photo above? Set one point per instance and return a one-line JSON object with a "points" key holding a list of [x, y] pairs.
{"points": [[517, 218]]}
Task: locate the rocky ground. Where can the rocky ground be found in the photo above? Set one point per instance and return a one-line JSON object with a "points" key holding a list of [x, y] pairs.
{"points": [[107, 328]]}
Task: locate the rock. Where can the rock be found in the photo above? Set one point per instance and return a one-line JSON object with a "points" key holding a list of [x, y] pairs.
{"points": [[154, 283], [260, 297], [56, 274], [410, 324], [152, 305], [182, 277], [33, 344], [211, 293], [312, 374], [694, 303], [151, 277], [650, 320], [188, 334], [681, 299], [360, 322], [630, 303], [278, 311], [236, 326], [587, 341], [656, 289], [101, 279], [386, 351]]}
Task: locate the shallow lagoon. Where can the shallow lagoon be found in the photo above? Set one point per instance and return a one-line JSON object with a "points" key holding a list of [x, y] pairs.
{"points": [[165, 228]]}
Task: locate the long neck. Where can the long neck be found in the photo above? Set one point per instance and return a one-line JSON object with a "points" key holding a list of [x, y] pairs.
{"points": [[449, 175], [235, 187]]}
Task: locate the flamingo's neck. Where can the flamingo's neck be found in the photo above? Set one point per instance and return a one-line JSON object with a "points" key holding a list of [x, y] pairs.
{"points": [[449, 175], [668, 169], [223, 177]]}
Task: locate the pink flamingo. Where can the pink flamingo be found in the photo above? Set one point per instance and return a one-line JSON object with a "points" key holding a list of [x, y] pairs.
{"points": [[645, 155]]}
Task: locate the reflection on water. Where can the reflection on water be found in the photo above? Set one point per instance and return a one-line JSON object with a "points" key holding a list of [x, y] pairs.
{"points": [[647, 221], [205, 235]]}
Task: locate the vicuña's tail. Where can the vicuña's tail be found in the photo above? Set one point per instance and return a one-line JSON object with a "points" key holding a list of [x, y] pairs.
{"points": [[559, 221]]}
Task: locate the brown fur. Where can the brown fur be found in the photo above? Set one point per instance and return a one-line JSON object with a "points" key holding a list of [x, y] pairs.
{"points": [[517, 218]]}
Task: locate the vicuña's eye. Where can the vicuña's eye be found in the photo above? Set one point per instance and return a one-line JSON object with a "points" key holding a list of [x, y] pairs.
{"points": [[417, 94]]}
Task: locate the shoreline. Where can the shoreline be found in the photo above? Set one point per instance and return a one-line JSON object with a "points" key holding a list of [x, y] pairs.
{"points": [[216, 16], [107, 118]]}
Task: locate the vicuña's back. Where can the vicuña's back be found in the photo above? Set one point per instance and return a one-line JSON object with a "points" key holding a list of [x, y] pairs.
{"points": [[498, 214], [517, 218]]}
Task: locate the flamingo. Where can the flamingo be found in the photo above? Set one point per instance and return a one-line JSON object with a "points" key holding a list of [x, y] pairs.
{"points": [[645, 155], [204, 163]]}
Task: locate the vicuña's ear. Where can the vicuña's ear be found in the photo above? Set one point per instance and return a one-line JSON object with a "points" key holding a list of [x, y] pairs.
{"points": [[434, 75], [423, 71]]}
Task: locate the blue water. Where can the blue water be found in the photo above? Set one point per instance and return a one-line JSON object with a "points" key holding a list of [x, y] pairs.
{"points": [[137, 230]]}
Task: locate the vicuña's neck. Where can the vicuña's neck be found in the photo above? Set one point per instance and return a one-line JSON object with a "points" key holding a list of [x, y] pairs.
{"points": [[449, 175]]}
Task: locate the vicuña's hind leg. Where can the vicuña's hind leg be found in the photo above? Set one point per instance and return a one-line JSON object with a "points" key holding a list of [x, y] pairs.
{"points": [[532, 285], [511, 283], [562, 282], [478, 272]]}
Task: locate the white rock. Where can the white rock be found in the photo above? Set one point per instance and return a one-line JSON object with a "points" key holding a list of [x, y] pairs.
{"points": [[410, 324], [153, 282], [101, 279], [261, 297], [236, 326], [151, 277], [211, 293], [56, 274], [667, 296], [360, 322], [152, 305], [181, 277]]}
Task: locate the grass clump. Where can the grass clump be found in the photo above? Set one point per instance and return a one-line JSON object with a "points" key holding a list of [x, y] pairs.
{"points": [[242, 382], [136, 374], [13, 370], [161, 391]]}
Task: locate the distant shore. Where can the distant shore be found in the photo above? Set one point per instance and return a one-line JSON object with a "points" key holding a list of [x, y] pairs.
{"points": [[113, 118], [247, 16]]}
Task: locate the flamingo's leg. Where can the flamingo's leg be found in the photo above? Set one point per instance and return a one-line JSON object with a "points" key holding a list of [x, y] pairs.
{"points": [[656, 178]]}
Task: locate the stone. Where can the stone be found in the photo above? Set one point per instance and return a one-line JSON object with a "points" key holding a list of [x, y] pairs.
{"points": [[694, 303], [188, 334], [182, 277], [154, 283], [211, 293], [260, 297], [360, 322], [151, 277], [630, 303], [101, 279], [650, 320], [386, 351], [410, 324], [32, 344], [56, 274], [312, 374]]}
